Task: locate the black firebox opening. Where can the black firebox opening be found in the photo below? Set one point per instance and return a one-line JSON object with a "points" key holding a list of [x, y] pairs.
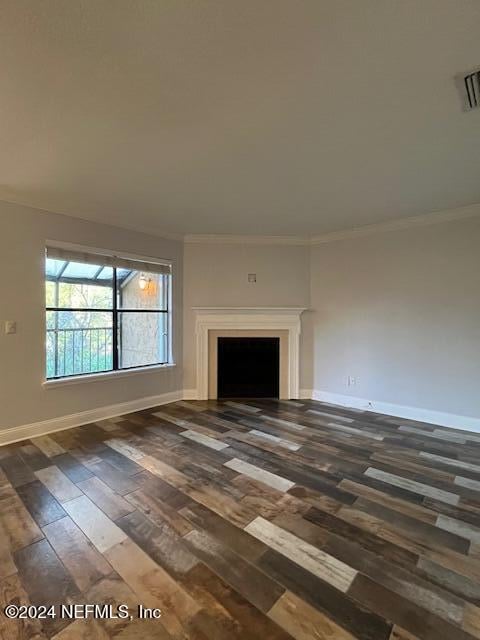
{"points": [[248, 367]]}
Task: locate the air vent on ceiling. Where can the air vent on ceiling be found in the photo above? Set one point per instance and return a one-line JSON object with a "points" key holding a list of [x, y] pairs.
{"points": [[472, 88]]}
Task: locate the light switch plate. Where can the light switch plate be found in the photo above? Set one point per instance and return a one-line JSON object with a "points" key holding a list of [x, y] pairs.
{"points": [[10, 327]]}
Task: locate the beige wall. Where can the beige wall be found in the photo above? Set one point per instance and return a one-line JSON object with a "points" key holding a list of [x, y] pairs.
{"points": [[217, 275], [400, 311], [23, 399]]}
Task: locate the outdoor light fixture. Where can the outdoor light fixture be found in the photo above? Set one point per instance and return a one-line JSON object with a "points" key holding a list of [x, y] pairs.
{"points": [[143, 282]]}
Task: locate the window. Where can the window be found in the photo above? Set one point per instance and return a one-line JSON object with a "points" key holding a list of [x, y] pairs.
{"points": [[105, 313]]}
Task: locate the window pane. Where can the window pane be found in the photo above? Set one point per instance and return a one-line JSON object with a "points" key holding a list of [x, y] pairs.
{"points": [[79, 342], [78, 285], [142, 338], [105, 274], [142, 290], [50, 294], [79, 270], [84, 296], [54, 267]]}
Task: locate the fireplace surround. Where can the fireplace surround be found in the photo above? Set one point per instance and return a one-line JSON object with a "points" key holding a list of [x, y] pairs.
{"points": [[214, 322]]}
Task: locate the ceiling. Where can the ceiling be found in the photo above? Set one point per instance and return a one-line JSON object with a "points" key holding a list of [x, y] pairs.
{"points": [[241, 116]]}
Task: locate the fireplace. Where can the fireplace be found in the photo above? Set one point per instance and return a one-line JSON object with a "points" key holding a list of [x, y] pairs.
{"points": [[280, 323], [248, 367]]}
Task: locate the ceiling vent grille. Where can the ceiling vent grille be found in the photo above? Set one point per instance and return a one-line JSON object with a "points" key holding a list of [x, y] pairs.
{"points": [[472, 88]]}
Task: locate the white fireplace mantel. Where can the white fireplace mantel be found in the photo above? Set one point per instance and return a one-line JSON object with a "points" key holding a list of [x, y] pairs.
{"points": [[248, 318]]}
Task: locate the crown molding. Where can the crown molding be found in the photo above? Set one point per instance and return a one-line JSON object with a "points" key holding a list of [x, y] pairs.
{"points": [[423, 220], [244, 239], [426, 219], [398, 224]]}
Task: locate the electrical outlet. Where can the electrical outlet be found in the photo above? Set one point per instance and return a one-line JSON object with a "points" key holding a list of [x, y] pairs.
{"points": [[252, 277], [351, 381]]}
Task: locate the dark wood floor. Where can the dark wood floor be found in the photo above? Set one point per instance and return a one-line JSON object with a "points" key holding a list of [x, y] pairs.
{"points": [[257, 520]]}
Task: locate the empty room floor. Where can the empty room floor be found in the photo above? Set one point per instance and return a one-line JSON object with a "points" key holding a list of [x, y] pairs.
{"points": [[249, 520]]}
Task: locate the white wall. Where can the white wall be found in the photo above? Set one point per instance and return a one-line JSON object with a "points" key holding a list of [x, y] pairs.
{"points": [[23, 399], [400, 311], [216, 275]]}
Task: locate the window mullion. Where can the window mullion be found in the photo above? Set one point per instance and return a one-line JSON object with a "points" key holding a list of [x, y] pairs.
{"points": [[115, 322]]}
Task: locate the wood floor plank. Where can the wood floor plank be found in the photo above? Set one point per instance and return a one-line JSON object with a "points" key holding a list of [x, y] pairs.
{"points": [[112, 504], [471, 620], [468, 483], [88, 629], [113, 591], [286, 444], [419, 512], [404, 613], [17, 527], [46, 581], [453, 462], [48, 446], [271, 479], [12, 592], [41, 504], [58, 484], [330, 415], [118, 461], [207, 441], [251, 583], [362, 433], [421, 531], [232, 612], [243, 544], [33, 457], [210, 497], [160, 542], [82, 560], [412, 485], [458, 527], [324, 566], [125, 448], [74, 471], [362, 623], [115, 479], [99, 529], [153, 586], [158, 511], [303, 622], [400, 634], [7, 565], [17, 472], [438, 435], [455, 582]]}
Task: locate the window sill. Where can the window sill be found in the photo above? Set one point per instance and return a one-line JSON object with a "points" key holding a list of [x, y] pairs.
{"points": [[107, 375]]}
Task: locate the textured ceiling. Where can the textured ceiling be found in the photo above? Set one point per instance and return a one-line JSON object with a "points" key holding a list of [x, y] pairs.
{"points": [[242, 116]]}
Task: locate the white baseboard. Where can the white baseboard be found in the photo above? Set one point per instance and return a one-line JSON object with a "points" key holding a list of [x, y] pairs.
{"points": [[305, 394], [190, 394], [467, 423], [26, 431], [23, 432]]}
